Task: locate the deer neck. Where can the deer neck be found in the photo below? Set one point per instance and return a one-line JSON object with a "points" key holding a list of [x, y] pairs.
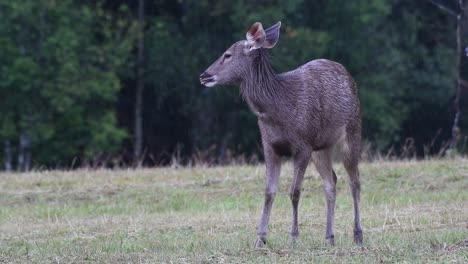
{"points": [[262, 89]]}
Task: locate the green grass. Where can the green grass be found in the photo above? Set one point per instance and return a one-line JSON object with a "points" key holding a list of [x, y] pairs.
{"points": [[413, 212]]}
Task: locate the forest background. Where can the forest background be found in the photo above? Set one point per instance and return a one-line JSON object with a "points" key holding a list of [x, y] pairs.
{"points": [[115, 83]]}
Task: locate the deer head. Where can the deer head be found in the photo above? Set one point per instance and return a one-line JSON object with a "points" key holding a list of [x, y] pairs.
{"points": [[237, 60]]}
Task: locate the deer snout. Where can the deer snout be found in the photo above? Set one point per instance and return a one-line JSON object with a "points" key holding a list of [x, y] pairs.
{"points": [[207, 79], [204, 75]]}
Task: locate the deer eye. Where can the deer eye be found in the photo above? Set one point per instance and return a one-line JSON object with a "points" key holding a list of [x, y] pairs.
{"points": [[227, 56]]}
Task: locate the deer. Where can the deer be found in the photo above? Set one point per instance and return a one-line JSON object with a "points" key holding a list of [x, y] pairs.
{"points": [[305, 114]]}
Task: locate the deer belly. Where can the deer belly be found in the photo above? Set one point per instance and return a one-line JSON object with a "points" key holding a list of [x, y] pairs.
{"points": [[328, 138], [282, 148], [279, 138]]}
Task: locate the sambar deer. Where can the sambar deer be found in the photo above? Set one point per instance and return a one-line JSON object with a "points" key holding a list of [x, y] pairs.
{"points": [[304, 113]]}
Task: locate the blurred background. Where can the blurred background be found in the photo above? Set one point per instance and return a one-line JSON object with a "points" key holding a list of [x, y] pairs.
{"points": [[115, 82]]}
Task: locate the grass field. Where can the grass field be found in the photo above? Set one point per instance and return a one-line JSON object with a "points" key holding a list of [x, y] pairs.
{"points": [[413, 212]]}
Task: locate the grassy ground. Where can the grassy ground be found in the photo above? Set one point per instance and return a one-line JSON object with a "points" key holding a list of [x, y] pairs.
{"points": [[414, 212]]}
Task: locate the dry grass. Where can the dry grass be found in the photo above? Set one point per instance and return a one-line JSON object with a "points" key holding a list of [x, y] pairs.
{"points": [[415, 212]]}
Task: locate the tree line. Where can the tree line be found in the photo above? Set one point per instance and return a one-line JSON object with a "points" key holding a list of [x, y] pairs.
{"points": [[115, 83]]}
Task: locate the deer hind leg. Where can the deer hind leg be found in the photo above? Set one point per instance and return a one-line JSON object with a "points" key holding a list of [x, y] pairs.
{"points": [[301, 160], [355, 186], [350, 148], [323, 162], [273, 168]]}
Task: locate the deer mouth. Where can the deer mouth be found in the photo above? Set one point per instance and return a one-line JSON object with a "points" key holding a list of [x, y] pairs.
{"points": [[209, 81]]}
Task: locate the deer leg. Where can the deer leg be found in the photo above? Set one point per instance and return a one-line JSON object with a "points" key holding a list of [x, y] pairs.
{"points": [[273, 168], [323, 163], [301, 160], [355, 186]]}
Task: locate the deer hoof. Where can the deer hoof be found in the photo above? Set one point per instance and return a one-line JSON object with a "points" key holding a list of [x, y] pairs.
{"points": [[294, 242], [294, 236], [330, 240], [260, 243], [358, 237]]}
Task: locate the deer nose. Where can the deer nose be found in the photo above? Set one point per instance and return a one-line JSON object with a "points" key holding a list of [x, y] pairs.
{"points": [[204, 75]]}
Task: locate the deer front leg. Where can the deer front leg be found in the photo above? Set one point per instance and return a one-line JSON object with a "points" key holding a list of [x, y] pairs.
{"points": [[273, 168], [301, 160]]}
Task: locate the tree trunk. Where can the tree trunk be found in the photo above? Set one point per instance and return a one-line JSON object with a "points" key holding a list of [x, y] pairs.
{"points": [[139, 88], [24, 152], [8, 155], [455, 128], [27, 157]]}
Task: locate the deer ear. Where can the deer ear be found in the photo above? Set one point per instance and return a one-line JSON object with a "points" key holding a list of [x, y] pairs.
{"points": [[272, 35], [256, 36]]}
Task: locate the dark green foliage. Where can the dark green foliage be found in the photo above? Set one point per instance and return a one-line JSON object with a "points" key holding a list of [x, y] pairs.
{"points": [[67, 73], [58, 78]]}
